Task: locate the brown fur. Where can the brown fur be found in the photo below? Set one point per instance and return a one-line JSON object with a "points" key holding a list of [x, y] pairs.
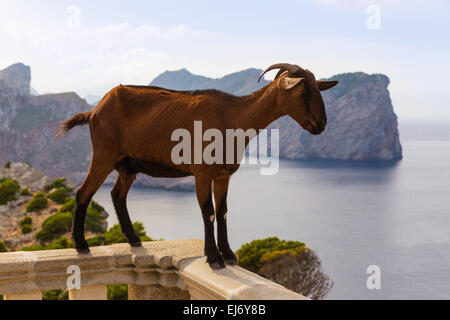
{"points": [[131, 130]]}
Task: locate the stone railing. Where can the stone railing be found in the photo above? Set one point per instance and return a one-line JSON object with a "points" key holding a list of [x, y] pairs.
{"points": [[160, 270]]}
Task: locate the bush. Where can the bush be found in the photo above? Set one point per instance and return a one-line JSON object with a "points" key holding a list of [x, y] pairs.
{"points": [[97, 206], [8, 165], [61, 243], [117, 292], [55, 295], [54, 226], [3, 247], [25, 192], [38, 202], [26, 220], [115, 235], [57, 184], [289, 263], [26, 229], [61, 222], [250, 254], [8, 190], [298, 270], [60, 196]]}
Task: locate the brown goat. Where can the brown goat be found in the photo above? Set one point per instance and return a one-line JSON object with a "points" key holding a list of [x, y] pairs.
{"points": [[131, 130]]}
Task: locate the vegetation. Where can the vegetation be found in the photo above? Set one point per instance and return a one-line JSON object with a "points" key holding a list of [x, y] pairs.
{"points": [[3, 247], [25, 192], [250, 254], [114, 235], [8, 190], [25, 221], [55, 295], [38, 202], [117, 292], [8, 165], [57, 184], [27, 229], [60, 243], [60, 196], [289, 263], [61, 191], [61, 222]]}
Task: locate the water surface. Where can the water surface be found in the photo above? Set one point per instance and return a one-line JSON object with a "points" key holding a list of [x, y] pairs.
{"points": [[352, 215]]}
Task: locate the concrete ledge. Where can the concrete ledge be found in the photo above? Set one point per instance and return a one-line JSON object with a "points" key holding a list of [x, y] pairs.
{"points": [[154, 263], [160, 269], [232, 283]]}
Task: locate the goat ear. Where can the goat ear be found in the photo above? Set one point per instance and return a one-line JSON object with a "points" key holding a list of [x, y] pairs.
{"points": [[287, 83], [325, 85]]}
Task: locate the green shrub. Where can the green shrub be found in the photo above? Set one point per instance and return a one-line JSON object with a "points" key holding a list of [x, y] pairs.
{"points": [[26, 220], [57, 184], [26, 229], [8, 190], [69, 206], [3, 247], [55, 295], [25, 192], [8, 165], [54, 226], [61, 243], [61, 222], [60, 196], [117, 292], [94, 221], [250, 254], [38, 202]]}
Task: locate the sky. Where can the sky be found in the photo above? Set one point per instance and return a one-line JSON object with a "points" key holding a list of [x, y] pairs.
{"points": [[91, 46]]}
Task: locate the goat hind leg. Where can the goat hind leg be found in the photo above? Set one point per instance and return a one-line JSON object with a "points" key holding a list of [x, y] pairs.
{"points": [[94, 180], [119, 197]]}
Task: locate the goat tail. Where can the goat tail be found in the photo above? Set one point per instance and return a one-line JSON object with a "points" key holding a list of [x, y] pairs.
{"points": [[78, 120]]}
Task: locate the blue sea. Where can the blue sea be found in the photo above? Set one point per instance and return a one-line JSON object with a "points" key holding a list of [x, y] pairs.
{"points": [[353, 215]]}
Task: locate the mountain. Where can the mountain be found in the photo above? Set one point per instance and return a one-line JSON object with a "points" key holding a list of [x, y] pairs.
{"points": [[92, 99], [17, 78], [238, 83], [362, 123]]}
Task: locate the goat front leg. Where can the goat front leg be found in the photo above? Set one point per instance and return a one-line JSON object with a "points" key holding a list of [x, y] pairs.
{"points": [[203, 187], [220, 197]]}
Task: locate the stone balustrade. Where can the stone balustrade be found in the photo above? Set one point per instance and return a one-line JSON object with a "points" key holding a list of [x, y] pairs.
{"points": [[160, 270]]}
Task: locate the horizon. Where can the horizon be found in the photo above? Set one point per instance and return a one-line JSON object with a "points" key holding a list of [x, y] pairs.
{"points": [[123, 45]]}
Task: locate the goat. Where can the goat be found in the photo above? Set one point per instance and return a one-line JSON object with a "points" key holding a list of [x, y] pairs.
{"points": [[131, 130]]}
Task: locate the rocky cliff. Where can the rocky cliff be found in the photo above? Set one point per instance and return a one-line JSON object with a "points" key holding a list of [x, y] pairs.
{"points": [[362, 123], [13, 211], [238, 83]]}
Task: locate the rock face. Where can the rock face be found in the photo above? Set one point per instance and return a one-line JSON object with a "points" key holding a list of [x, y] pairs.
{"points": [[362, 124], [17, 78], [238, 83], [11, 213]]}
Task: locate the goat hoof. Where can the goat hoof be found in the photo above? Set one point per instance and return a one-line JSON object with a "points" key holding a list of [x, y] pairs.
{"points": [[216, 266], [231, 262], [136, 244], [83, 250]]}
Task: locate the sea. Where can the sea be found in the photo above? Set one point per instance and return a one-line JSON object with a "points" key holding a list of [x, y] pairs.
{"points": [[389, 220]]}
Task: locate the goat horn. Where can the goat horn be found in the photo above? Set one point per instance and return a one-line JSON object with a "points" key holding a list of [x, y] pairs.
{"points": [[291, 68]]}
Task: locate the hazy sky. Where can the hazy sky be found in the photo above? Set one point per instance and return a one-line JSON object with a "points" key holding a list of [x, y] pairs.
{"points": [[111, 42]]}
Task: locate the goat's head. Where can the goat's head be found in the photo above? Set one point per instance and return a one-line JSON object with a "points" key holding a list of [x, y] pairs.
{"points": [[299, 96]]}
